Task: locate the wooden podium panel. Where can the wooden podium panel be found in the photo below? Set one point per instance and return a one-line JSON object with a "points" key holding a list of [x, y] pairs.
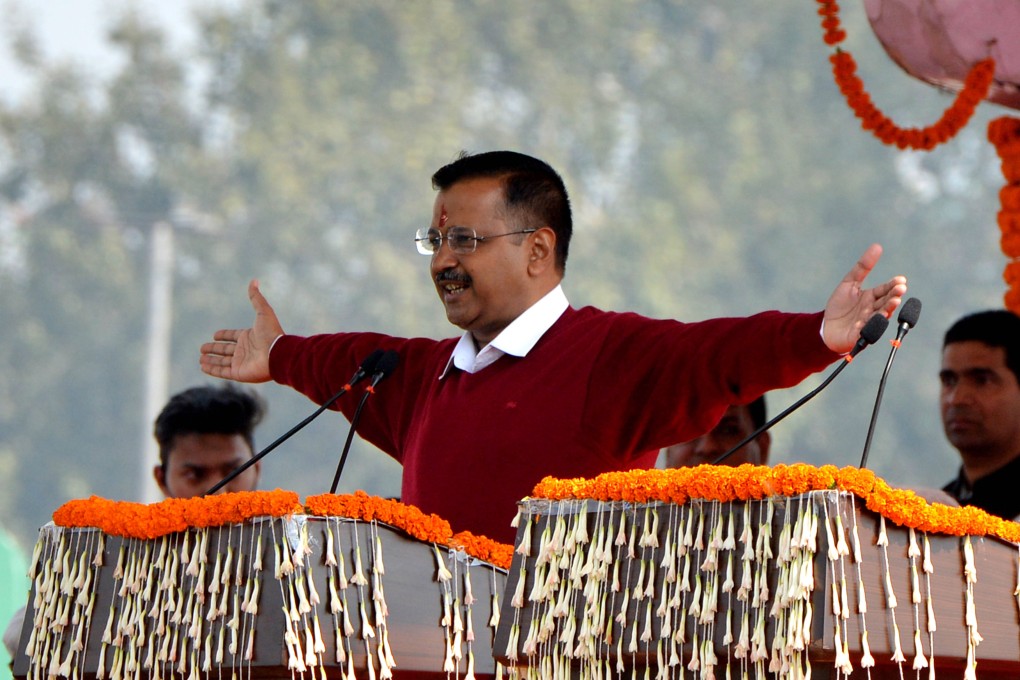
{"points": [[995, 606], [175, 605], [587, 599]]}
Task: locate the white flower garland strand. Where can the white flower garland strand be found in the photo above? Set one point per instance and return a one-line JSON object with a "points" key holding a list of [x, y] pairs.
{"points": [[913, 556], [867, 660], [970, 617], [840, 606], [638, 595], [185, 605], [655, 590], [171, 613]]}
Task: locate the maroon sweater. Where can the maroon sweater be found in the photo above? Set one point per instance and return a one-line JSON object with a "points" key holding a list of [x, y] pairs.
{"points": [[600, 391]]}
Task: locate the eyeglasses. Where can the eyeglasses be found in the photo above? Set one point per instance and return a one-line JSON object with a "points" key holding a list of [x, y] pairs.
{"points": [[461, 240]]}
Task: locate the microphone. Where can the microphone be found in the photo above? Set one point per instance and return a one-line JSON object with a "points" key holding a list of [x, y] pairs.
{"points": [[364, 370], [387, 362], [871, 332], [909, 313]]}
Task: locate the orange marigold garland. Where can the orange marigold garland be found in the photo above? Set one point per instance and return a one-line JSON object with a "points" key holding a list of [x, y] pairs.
{"points": [[428, 528], [484, 548], [360, 505], [844, 68], [722, 483], [138, 520], [1004, 134]]}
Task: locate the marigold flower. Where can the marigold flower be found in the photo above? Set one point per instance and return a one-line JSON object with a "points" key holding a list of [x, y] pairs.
{"points": [[975, 88], [171, 515], [725, 484]]}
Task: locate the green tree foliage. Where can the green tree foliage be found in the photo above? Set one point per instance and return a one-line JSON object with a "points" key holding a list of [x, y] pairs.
{"points": [[85, 175], [715, 170]]}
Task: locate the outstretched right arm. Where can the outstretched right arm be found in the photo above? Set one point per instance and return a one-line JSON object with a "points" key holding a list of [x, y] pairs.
{"points": [[243, 354]]}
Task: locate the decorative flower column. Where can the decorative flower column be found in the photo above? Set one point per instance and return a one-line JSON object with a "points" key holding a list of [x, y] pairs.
{"points": [[1004, 134]]}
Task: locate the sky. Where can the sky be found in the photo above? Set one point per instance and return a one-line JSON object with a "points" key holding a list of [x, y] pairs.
{"points": [[74, 31]]}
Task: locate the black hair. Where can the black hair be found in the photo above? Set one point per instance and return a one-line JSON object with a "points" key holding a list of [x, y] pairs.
{"points": [[756, 409], [995, 328], [533, 192]]}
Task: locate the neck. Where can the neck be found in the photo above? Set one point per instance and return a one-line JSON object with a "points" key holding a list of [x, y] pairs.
{"points": [[975, 467]]}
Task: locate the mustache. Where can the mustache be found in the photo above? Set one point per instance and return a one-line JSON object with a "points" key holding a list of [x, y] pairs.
{"points": [[452, 276]]}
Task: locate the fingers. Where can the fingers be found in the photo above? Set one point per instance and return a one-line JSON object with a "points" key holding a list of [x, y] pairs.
{"points": [[865, 263], [889, 295], [215, 365], [217, 359], [266, 327], [226, 334], [258, 301], [897, 285], [220, 349]]}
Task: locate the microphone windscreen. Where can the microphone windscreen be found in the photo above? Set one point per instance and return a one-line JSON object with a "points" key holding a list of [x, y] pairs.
{"points": [[371, 361], [387, 362], [910, 312], [874, 328]]}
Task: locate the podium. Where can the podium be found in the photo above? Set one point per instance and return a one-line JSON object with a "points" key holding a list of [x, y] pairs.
{"points": [[811, 585], [270, 597], [702, 573]]}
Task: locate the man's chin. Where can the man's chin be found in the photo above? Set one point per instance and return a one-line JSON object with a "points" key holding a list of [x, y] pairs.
{"points": [[964, 439], [457, 320]]}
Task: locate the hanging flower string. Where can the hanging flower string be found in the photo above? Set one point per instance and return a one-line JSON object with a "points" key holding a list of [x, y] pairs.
{"points": [[138, 520], [844, 68], [1004, 134], [722, 483]]}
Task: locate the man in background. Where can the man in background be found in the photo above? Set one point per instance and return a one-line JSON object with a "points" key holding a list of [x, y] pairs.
{"points": [[204, 434], [737, 423], [980, 407]]}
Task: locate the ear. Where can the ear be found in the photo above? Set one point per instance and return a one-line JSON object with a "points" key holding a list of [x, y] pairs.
{"points": [[159, 475], [542, 252], [764, 441]]}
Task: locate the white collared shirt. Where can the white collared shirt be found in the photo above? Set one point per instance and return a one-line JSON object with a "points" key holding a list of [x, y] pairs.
{"points": [[517, 339]]}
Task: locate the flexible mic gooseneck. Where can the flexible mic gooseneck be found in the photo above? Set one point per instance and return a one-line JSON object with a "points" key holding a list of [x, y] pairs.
{"points": [[909, 314], [871, 332], [387, 362], [364, 370]]}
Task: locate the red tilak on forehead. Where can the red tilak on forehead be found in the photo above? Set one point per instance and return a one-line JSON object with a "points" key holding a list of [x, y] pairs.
{"points": [[443, 216]]}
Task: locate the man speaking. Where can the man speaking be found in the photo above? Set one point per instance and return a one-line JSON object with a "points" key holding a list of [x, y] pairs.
{"points": [[535, 387]]}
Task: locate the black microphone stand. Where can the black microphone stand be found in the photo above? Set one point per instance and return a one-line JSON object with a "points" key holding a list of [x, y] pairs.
{"points": [[366, 367], [909, 314], [871, 332], [264, 452], [385, 366]]}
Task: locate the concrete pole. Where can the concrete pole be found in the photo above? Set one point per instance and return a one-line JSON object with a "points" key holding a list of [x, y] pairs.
{"points": [[157, 365]]}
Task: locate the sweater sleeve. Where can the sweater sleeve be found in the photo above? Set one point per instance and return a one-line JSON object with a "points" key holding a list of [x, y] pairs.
{"points": [[685, 375], [319, 365]]}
